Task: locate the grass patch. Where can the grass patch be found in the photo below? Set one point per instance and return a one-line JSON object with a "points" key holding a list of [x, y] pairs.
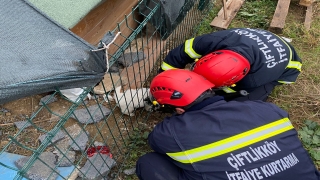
{"points": [[205, 27], [304, 95], [138, 146], [255, 14], [310, 137]]}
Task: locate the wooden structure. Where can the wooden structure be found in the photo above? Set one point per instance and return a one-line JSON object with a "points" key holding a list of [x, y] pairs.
{"points": [[308, 4], [104, 18], [227, 13], [279, 17]]}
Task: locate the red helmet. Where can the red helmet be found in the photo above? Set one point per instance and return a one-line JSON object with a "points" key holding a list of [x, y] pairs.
{"points": [[178, 87], [223, 67]]}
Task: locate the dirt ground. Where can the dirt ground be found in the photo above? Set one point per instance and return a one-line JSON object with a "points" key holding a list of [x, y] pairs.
{"points": [[45, 120], [302, 99]]}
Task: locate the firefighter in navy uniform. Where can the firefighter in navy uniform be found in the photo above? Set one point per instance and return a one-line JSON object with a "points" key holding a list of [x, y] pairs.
{"points": [[212, 139], [239, 59]]}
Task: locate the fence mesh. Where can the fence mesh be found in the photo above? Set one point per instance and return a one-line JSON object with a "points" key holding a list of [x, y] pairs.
{"points": [[89, 138]]}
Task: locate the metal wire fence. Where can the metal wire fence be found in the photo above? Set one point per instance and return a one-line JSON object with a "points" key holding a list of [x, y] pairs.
{"points": [[88, 138]]}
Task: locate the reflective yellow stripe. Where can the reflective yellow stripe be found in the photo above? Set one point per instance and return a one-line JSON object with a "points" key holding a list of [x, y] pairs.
{"points": [[285, 42], [286, 82], [228, 90], [189, 50], [295, 65], [233, 143], [292, 64], [165, 66]]}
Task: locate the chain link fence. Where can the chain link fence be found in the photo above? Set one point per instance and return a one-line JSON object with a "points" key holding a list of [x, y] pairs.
{"points": [[87, 138]]}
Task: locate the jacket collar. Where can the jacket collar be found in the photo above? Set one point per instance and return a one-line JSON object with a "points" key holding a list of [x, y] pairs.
{"points": [[205, 103]]}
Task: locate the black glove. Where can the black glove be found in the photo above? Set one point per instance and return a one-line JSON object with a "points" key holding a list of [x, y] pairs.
{"points": [[231, 96]]}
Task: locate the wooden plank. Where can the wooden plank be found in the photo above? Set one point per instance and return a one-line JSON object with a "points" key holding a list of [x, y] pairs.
{"points": [[105, 18], [93, 18], [232, 7], [308, 19], [306, 3], [225, 11], [136, 75], [125, 28], [279, 16]]}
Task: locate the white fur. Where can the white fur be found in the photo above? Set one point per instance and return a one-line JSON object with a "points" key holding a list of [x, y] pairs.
{"points": [[108, 98], [130, 99]]}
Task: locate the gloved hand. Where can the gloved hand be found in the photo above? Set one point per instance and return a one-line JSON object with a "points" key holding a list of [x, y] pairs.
{"points": [[231, 96], [149, 106]]}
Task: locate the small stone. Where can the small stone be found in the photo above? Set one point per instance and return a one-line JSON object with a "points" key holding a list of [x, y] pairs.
{"points": [[40, 170], [46, 98], [97, 167], [65, 157], [80, 141], [3, 110], [78, 138], [128, 59], [8, 113], [60, 135], [129, 172], [91, 114], [96, 143], [114, 68], [21, 124]]}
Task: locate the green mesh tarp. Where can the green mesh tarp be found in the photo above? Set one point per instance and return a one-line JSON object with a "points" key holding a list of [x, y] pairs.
{"points": [[38, 55]]}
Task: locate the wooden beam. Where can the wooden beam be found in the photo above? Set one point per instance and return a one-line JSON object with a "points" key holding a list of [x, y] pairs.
{"points": [[225, 11], [232, 7], [104, 18], [306, 3], [308, 19], [279, 16]]}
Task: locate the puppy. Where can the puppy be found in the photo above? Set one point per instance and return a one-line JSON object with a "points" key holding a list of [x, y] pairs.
{"points": [[131, 99]]}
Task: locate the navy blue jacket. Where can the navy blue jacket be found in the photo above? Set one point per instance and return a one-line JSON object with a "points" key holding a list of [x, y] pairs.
{"points": [[272, 59], [219, 140]]}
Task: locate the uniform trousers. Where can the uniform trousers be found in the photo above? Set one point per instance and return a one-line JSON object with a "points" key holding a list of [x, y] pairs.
{"points": [[155, 166]]}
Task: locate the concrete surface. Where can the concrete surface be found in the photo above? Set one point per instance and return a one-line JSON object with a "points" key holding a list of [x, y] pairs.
{"points": [[91, 114], [78, 138], [97, 167], [40, 170], [9, 159], [60, 135], [21, 124]]}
